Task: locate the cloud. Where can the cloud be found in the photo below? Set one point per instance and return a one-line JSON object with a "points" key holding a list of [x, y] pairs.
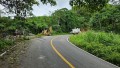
{"points": [[47, 9], [1, 7]]}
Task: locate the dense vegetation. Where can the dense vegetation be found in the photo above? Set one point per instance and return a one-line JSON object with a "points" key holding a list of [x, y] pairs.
{"points": [[66, 20], [5, 44], [37, 24], [104, 44], [97, 15], [108, 19], [63, 20], [21, 9], [101, 44]]}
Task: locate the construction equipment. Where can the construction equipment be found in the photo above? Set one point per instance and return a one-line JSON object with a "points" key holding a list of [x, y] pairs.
{"points": [[47, 31]]}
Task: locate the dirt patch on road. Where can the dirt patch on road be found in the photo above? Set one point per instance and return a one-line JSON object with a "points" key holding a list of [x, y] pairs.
{"points": [[12, 58]]}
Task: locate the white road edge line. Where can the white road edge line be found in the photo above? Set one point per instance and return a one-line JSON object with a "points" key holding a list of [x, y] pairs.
{"points": [[90, 53]]}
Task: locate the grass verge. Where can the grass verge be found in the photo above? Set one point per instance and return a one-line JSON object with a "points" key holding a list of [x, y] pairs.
{"points": [[5, 44], [101, 44]]}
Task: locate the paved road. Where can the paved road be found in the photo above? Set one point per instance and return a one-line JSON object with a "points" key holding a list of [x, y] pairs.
{"points": [[57, 52]]}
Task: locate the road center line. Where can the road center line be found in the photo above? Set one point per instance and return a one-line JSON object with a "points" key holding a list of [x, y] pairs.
{"points": [[60, 55]]}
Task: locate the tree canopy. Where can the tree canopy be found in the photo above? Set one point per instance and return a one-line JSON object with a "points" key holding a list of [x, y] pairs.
{"points": [[67, 20], [92, 5], [22, 8], [108, 19]]}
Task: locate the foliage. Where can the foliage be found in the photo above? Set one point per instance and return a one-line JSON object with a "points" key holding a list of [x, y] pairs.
{"points": [[22, 8], [67, 20], [37, 24], [101, 44], [84, 16], [5, 43], [33, 25], [9, 26], [92, 5], [108, 19], [39, 35]]}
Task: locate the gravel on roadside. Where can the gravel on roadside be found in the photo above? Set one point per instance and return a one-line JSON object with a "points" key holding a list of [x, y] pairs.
{"points": [[12, 58]]}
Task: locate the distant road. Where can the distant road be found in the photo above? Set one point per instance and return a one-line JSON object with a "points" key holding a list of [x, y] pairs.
{"points": [[57, 52]]}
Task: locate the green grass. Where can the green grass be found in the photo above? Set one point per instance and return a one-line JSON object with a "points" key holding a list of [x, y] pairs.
{"points": [[39, 35], [5, 44], [101, 44]]}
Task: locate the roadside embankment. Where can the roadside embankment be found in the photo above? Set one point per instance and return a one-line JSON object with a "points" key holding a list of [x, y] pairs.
{"points": [[100, 44]]}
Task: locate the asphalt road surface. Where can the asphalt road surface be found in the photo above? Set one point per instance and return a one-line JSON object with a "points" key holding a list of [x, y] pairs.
{"points": [[57, 52]]}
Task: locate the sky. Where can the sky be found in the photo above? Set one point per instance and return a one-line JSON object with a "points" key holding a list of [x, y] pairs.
{"points": [[1, 7], [42, 10], [45, 10]]}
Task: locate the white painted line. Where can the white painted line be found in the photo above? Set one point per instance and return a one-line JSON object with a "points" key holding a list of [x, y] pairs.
{"points": [[91, 54]]}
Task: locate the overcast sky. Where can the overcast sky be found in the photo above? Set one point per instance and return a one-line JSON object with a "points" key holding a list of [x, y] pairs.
{"points": [[48, 9]]}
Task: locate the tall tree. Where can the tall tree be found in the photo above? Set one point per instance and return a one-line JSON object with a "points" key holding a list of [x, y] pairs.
{"points": [[108, 19], [22, 8], [92, 5], [67, 20]]}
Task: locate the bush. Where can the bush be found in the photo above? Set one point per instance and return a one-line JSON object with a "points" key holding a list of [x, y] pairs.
{"points": [[26, 38], [108, 19], [39, 35], [114, 58], [5, 43], [101, 44]]}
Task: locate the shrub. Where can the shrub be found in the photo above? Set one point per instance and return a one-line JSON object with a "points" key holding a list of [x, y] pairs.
{"points": [[5, 43], [39, 35], [101, 44]]}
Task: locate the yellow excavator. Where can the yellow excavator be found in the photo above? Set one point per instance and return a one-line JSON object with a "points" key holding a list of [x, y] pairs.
{"points": [[47, 31]]}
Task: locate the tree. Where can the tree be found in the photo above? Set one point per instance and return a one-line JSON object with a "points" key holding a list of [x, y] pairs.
{"points": [[92, 5], [108, 19], [38, 24], [22, 8], [67, 20]]}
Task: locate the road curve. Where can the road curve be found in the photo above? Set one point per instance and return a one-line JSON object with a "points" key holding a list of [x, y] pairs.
{"points": [[57, 52]]}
